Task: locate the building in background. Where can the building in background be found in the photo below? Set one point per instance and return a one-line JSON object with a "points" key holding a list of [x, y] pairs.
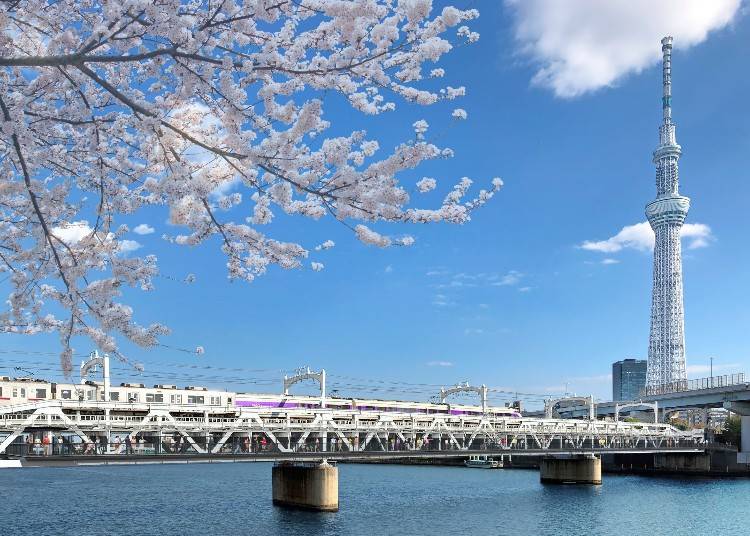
{"points": [[628, 379]]}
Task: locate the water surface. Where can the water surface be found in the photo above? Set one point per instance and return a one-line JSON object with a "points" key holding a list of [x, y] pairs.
{"points": [[235, 498]]}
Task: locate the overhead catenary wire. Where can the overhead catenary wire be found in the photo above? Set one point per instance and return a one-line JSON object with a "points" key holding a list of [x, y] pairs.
{"points": [[196, 373]]}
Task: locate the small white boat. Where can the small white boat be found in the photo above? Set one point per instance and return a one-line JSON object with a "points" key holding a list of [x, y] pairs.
{"points": [[483, 462]]}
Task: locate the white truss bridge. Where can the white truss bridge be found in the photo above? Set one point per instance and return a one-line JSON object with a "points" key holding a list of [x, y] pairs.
{"points": [[158, 428]]}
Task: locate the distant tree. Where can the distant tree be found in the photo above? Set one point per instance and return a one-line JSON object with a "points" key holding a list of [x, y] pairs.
{"points": [[731, 431], [680, 424], [203, 107]]}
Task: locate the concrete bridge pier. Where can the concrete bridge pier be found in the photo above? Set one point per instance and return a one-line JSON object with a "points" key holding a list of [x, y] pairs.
{"points": [[308, 486], [584, 469], [743, 410]]}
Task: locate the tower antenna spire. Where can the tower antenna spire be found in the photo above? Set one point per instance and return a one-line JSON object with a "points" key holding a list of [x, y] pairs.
{"points": [[666, 49]]}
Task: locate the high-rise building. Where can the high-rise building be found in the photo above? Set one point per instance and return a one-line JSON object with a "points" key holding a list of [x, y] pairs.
{"points": [[666, 214], [628, 379]]}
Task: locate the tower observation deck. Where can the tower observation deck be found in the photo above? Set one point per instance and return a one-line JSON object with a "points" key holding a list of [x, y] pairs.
{"points": [[666, 214]]}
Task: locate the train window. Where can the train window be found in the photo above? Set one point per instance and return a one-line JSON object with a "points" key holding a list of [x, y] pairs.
{"points": [[175, 399], [23, 392], [133, 397], [114, 397], [15, 392], [1, 391], [216, 401], [154, 397], [41, 393], [192, 399], [65, 394], [90, 394]]}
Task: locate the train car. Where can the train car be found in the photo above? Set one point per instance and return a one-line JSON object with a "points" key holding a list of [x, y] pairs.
{"points": [[138, 393], [297, 402], [22, 390], [272, 401]]}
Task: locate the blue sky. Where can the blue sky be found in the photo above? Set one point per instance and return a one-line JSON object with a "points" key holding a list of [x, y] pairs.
{"points": [[510, 299]]}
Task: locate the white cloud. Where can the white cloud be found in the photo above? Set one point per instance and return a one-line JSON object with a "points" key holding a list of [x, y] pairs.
{"points": [[328, 244], [511, 278], [143, 229], [226, 187], [470, 280], [441, 300], [524, 289], [72, 233], [455, 283], [128, 246], [473, 331], [439, 364], [609, 260], [584, 45], [388, 269], [641, 237]]}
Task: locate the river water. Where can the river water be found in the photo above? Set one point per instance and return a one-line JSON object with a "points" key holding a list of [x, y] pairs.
{"points": [[208, 499]]}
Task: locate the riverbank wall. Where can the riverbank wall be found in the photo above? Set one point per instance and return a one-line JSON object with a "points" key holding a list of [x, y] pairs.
{"points": [[717, 462]]}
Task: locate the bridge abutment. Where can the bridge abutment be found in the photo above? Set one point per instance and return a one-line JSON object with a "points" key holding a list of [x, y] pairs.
{"points": [[682, 463], [744, 455], [309, 486], [743, 410], [571, 470]]}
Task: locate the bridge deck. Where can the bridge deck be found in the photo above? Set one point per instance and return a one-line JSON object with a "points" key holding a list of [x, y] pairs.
{"points": [[108, 459], [162, 428]]}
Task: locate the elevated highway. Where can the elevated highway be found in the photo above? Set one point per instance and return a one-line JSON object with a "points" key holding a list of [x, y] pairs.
{"points": [[730, 392]]}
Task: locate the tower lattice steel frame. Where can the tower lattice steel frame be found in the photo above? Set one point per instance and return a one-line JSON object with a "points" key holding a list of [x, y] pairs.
{"points": [[666, 214]]}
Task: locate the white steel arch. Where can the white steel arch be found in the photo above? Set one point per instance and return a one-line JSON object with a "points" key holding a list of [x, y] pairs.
{"points": [[549, 405], [654, 406], [465, 388], [303, 374], [92, 364]]}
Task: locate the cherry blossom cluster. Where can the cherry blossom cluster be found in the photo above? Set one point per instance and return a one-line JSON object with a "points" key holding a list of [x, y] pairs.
{"points": [[213, 109]]}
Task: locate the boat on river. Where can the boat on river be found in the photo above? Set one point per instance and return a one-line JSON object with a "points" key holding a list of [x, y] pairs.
{"points": [[483, 462]]}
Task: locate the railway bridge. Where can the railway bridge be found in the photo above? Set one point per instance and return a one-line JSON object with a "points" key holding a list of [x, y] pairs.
{"points": [[167, 428], [305, 436], [304, 441]]}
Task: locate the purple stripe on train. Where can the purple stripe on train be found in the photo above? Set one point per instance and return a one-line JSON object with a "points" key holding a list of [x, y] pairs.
{"points": [[286, 404]]}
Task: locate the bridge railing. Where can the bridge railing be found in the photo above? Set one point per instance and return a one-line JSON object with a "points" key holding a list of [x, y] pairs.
{"points": [[712, 382]]}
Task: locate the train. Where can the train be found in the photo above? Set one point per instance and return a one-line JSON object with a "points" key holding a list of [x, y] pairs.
{"points": [[28, 389], [14, 391], [270, 401]]}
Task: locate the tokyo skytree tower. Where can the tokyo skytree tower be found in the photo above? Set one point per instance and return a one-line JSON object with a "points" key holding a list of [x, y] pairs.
{"points": [[666, 214]]}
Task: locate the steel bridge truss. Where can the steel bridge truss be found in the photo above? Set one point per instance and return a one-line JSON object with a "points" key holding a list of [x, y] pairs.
{"points": [[289, 431]]}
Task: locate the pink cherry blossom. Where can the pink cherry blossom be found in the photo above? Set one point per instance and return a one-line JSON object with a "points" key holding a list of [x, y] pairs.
{"points": [[210, 110]]}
